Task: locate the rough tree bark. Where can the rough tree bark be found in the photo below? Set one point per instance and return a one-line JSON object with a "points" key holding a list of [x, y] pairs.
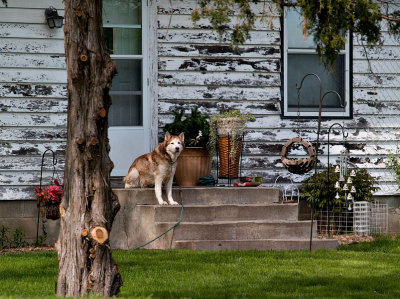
{"points": [[88, 206]]}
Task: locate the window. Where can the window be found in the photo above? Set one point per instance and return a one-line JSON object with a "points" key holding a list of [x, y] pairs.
{"points": [[300, 58], [123, 31]]}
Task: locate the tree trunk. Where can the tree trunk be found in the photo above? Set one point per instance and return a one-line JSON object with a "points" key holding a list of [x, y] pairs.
{"points": [[88, 206]]}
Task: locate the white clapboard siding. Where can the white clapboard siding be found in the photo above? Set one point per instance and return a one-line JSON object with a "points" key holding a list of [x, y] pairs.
{"points": [[58, 4], [33, 119], [383, 52], [30, 163], [206, 36], [33, 94], [32, 105], [218, 64], [33, 90], [218, 93], [185, 21], [376, 137], [218, 79], [35, 61], [32, 134], [186, 7], [32, 148], [39, 75], [22, 15], [217, 50], [18, 30], [213, 107], [377, 66], [377, 94], [17, 45], [24, 178]]}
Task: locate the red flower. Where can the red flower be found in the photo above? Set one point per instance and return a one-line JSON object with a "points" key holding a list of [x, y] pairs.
{"points": [[51, 194]]}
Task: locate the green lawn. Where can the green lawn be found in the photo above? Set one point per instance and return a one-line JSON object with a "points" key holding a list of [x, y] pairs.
{"points": [[367, 270]]}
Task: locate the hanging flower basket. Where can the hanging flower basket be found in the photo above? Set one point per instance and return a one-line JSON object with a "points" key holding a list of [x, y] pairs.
{"points": [[49, 199], [50, 211]]}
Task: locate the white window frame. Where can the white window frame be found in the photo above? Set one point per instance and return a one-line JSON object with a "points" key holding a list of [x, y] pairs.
{"points": [[347, 113], [145, 63]]}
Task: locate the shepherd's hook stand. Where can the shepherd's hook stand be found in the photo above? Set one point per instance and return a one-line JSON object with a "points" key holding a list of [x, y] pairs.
{"points": [[40, 186], [321, 99]]}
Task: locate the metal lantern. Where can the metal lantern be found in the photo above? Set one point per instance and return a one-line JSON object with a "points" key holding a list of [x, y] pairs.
{"points": [[337, 195], [337, 185], [345, 187], [349, 197], [337, 169], [52, 17], [353, 173], [353, 189], [349, 180]]}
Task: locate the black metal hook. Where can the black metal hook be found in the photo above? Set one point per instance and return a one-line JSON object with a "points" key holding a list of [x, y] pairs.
{"points": [[41, 167]]}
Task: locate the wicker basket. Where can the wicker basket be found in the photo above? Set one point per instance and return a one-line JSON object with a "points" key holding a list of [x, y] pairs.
{"points": [[229, 151], [50, 211]]}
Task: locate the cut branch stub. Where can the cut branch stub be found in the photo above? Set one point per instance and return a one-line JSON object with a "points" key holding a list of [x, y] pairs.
{"points": [[94, 141], [84, 232], [99, 234], [84, 58], [102, 112]]}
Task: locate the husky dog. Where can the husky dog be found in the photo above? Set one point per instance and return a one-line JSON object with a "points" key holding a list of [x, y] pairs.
{"points": [[157, 167]]}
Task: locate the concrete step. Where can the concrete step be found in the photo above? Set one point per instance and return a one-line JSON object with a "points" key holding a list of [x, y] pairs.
{"points": [[204, 195], [240, 230], [262, 244], [195, 213]]}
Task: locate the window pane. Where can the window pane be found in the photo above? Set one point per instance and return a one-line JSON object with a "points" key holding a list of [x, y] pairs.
{"points": [[126, 93], [122, 12], [300, 65], [296, 39], [126, 110], [123, 41]]}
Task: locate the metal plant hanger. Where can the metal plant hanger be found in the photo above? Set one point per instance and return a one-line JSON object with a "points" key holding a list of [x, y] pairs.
{"points": [[329, 182], [321, 99]]}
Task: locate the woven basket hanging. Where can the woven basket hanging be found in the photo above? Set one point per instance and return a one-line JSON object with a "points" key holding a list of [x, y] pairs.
{"points": [[50, 211], [298, 166], [229, 151]]}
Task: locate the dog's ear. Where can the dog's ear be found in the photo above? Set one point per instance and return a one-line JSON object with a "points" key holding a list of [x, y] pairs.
{"points": [[182, 137], [167, 136]]}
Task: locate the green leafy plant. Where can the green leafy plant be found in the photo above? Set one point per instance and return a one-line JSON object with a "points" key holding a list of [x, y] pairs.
{"points": [[4, 239], [393, 162], [40, 241], [196, 127], [19, 238], [315, 189]]}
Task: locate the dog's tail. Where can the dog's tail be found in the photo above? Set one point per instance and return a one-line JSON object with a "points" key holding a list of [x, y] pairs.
{"points": [[132, 179]]}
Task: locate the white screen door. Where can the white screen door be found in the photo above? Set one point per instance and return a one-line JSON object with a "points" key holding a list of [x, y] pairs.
{"points": [[125, 23]]}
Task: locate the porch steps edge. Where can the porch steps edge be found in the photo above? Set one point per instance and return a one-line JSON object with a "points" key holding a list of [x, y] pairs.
{"points": [[261, 244]]}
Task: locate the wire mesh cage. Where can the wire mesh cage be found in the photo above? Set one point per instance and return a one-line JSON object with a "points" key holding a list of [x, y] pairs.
{"points": [[361, 218], [366, 218]]}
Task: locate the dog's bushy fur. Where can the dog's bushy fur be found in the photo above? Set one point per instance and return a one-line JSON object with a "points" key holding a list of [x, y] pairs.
{"points": [[157, 167]]}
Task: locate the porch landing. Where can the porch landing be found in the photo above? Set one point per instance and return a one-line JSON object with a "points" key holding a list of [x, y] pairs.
{"points": [[213, 218]]}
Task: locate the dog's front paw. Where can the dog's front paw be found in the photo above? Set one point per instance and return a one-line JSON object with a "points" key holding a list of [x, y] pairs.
{"points": [[162, 203], [173, 202]]}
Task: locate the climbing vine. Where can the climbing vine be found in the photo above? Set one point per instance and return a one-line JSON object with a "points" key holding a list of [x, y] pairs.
{"points": [[325, 20]]}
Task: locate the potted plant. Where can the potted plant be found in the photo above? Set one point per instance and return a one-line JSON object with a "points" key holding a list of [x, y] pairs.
{"points": [[49, 199], [226, 132], [195, 160]]}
